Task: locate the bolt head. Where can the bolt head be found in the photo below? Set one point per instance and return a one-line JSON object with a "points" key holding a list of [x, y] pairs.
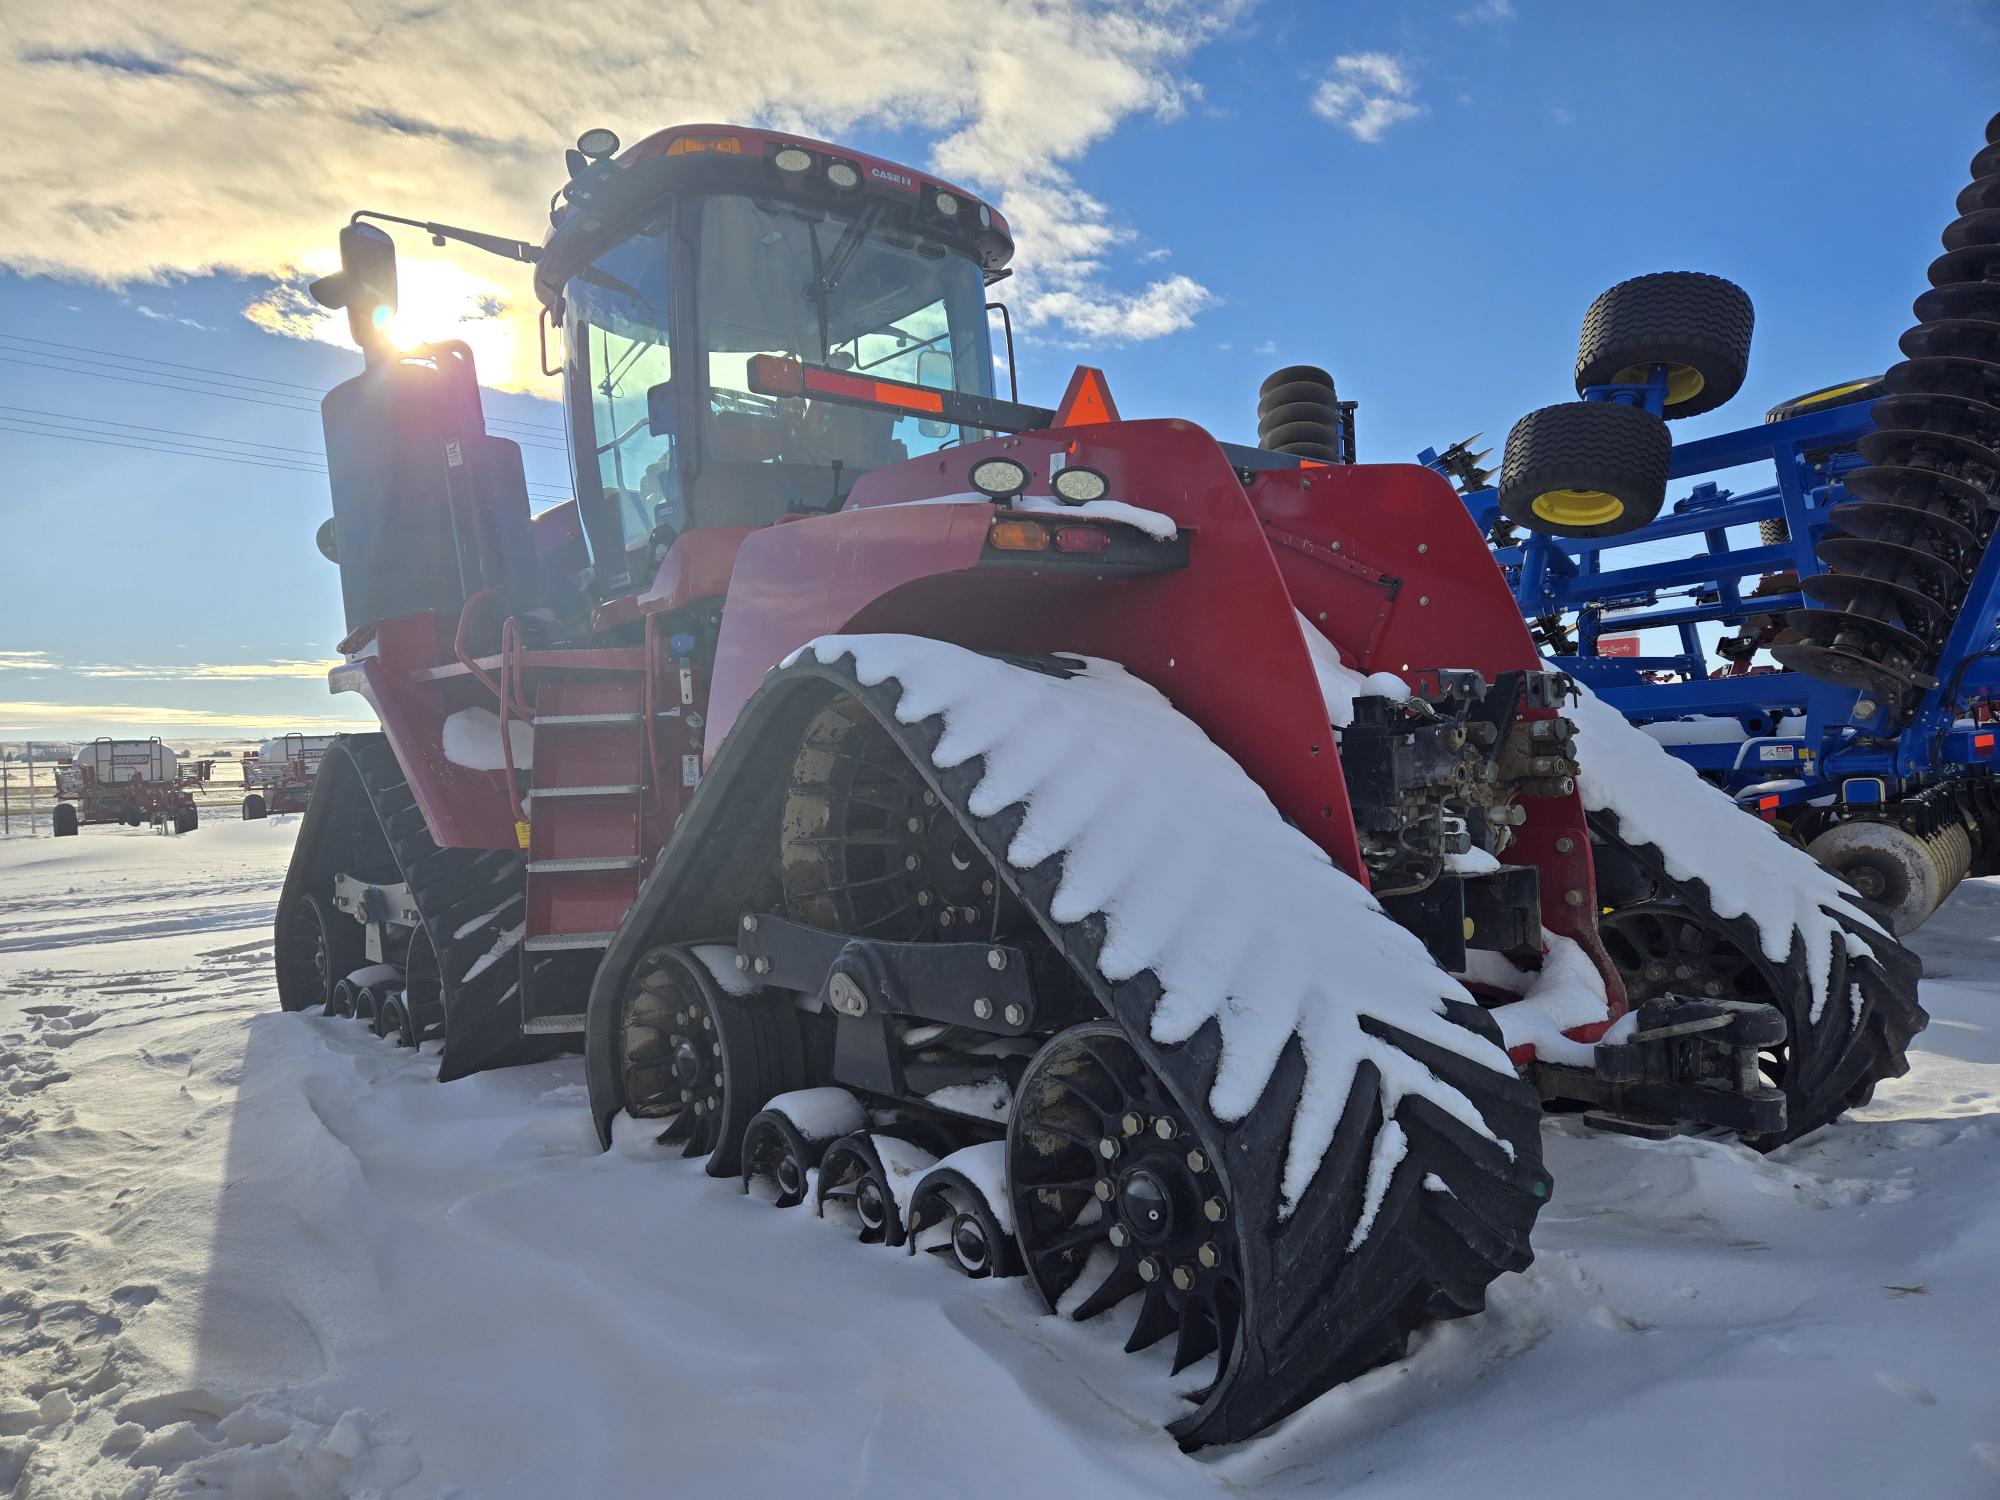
{"points": [[996, 959], [1565, 844], [930, 799], [911, 862], [1133, 1123], [1107, 1148], [1165, 1128], [985, 887], [718, 1080], [1118, 1236], [983, 1008], [1015, 1015], [708, 1022], [743, 962], [923, 898], [1210, 1255], [760, 966], [1711, 989], [1184, 1278], [701, 1106], [1215, 1210], [914, 824], [1149, 1269], [1197, 1160], [749, 922], [686, 1095], [1572, 898], [946, 917], [1104, 1190]]}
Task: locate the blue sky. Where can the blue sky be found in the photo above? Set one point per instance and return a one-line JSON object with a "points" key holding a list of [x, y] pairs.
{"points": [[1477, 172]]}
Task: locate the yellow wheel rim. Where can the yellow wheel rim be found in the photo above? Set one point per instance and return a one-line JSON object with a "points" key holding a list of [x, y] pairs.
{"points": [[1576, 508], [1684, 382]]}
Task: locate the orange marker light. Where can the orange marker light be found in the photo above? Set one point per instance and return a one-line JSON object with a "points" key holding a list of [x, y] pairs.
{"points": [[687, 145], [1018, 536], [1983, 743]]}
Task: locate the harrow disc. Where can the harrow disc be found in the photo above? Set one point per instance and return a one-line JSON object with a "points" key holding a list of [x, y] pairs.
{"points": [[1969, 338]]}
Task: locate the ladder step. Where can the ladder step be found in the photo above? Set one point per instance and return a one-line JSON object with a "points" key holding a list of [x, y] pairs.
{"points": [[543, 792], [564, 942], [551, 1025], [577, 721], [583, 862]]}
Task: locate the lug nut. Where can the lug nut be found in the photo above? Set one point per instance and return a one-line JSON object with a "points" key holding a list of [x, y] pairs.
{"points": [[946, 917], [749, 922], [983, 1008], [708, 1022], [930, 799], [1108, 1149], [1197, 1160], [1015, 1015], [911, 862], [923, 898], [1184, 1278], [1149, 1269], [718, 1080], [985, 887], [1214, 1210], [700, 1107], [1104, 1190], [914, 824], [1210, 1255], [1165, 1128], [996, 959], [686, 1095], [1117, 1236], [1132, 1124]]}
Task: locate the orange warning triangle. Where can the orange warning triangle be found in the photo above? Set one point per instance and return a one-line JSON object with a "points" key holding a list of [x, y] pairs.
{"points": [[1087, 400]]}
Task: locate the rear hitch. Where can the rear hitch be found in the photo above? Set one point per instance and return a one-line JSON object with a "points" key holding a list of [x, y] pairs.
{"points": [[1690, 1065]]}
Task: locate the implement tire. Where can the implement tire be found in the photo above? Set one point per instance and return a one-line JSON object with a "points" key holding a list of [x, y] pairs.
{"points": [[1696, 325], [1829, 1063], [1585, 469]]}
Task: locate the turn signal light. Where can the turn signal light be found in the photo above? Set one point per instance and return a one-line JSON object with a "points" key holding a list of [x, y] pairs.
{"points": [[686, 145], [1019, 536]]}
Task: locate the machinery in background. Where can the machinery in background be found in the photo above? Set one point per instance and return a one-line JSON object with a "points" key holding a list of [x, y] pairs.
{"points": [[278, 774], [1853, 696], [133, 782]]}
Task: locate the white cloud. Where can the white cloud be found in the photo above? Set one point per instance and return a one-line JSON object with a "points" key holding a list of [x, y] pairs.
{"points": [[261, 671], [1366, 93], [28, 717], [216, 136], [26, 661], [1269, 346], [1492, 12]]}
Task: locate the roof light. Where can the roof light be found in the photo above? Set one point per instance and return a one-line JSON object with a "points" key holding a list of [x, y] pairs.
{"points": [[985, 217], [844, 175], [1078, 485], [946, 205], [597, 144], [999, 478], [792, 159], [1018, 536], [688, 145]]}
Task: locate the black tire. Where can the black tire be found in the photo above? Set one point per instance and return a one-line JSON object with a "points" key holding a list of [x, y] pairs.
{"points": [[1827, 1065], [1585, 469], [254, 807], [1841, 393], [702, 1061], [1697, 325], [65, 821], [188, 821]]}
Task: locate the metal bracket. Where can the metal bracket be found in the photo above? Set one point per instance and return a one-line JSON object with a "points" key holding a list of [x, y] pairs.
{"points": [[1690, 1064]]}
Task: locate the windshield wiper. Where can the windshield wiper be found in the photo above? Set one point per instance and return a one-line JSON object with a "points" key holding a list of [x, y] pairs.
{"points": [[828, 271]]}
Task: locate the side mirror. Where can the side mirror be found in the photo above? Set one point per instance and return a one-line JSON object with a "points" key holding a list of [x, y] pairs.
{"points": [[661, 419], [365, 284], [323, 539]]}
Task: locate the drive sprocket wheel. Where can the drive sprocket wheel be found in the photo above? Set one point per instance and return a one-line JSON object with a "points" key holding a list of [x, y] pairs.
{"points": [[316, 953], [1677, 943], [1116, 1192], [703, 1061]]}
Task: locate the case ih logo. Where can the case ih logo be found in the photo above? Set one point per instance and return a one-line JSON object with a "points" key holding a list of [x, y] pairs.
{"points": [[885, 174]]}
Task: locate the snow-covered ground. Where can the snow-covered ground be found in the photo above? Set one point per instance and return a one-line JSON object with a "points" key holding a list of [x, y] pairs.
{"points": [[263, 1255]]}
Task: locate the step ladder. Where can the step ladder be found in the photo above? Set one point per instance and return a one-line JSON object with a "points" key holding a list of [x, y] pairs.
{"points": [[586, 839]]}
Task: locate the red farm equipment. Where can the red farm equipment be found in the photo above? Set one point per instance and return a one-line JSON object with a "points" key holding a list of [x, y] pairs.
{"points": [[278, 775], [1072, 844], [133, 782]]}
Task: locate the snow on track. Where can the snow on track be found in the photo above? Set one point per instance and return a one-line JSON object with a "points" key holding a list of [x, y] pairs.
{"points": [[251, 1254]]}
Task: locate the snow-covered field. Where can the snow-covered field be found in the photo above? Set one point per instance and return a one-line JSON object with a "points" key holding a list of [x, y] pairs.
{"points": [[263, 1255]]}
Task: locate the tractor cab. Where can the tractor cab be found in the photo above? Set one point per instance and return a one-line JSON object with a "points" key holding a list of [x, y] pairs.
{"points": [[672, 268], [673, 274]]}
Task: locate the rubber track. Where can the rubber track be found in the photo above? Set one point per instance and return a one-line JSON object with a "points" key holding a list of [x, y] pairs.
{"points": [[1315, 1314], [451, 887], [1836, 1062]]}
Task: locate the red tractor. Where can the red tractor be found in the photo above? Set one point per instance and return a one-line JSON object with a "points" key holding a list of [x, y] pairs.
{"points": [[1071, 844], [278, 775], [131, 782]]}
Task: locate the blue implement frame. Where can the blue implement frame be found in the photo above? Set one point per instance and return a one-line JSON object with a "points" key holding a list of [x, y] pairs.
{"points": [[1801, 741]]}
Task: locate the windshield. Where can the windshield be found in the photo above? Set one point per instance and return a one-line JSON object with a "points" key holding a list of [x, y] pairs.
{"points": [[853, 291]]}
